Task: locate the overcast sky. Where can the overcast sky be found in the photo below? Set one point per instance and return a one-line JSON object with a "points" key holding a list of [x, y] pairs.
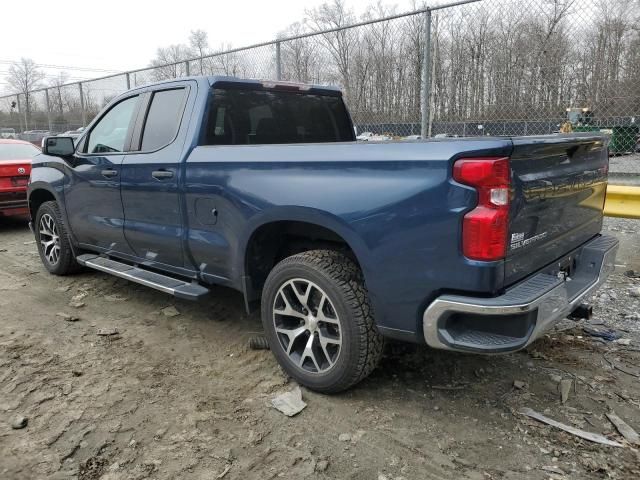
{"points": [[124, 34]]}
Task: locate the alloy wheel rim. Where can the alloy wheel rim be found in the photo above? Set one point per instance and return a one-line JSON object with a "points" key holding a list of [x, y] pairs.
{"points": [[49, 239], [307, 325]]}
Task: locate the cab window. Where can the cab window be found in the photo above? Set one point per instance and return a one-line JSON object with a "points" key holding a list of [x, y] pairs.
{"points": [[163, 119], [110, 133]]}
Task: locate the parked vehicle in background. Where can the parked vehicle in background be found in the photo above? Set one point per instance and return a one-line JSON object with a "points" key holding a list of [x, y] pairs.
{"points": [[9, 133], [473, 245], [34, 136], [72, 133], [15, 168], [373, 137], [364, 136]]}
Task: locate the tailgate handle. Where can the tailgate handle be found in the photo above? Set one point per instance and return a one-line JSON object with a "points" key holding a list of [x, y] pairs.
{"points": [[109, 173], [162, 174]]}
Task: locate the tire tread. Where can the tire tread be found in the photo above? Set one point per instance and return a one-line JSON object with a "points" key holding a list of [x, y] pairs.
{"points": [[349, 279]]}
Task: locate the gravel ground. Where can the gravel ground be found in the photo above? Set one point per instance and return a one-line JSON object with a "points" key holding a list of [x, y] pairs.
{"points": [[625, 164], [181, 396]]}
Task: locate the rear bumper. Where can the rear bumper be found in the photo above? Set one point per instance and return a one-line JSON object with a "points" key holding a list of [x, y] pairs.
{"points": [[521, 315], [13, 203]]}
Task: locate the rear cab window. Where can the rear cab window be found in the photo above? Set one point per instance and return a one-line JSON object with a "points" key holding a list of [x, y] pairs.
{"points": [[163, 118], [241, 115]]}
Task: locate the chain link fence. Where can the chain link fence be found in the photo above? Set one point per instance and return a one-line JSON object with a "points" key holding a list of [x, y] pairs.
{"points": [[474, 67]]}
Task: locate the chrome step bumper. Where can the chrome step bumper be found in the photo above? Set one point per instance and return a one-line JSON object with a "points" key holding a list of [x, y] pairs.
{"points": [[173, 286], [512, 321]]}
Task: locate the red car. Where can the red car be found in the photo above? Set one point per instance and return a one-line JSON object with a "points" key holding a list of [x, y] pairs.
{"points": [[15, 168]]}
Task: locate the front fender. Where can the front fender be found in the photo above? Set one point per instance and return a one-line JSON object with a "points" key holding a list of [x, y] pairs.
{"points": [[49, 176]]}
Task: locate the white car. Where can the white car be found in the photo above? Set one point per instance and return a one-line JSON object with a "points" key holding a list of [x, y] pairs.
{"points": [[372, 137], [364, 136], [8, 133]]}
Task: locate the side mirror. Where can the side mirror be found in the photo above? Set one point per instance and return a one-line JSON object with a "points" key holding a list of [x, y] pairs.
{"points": [[58, 146]]}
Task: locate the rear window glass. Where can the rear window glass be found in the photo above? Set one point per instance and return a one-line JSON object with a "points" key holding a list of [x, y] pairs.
{"points": [[252, 117], [17, 151], [163, 119]]}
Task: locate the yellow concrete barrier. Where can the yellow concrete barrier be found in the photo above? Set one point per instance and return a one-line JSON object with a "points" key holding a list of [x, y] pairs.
{"points": [[622, 202]]}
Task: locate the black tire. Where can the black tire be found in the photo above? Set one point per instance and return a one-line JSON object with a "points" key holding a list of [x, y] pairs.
{"points": [[336, 277], [66, 260]]}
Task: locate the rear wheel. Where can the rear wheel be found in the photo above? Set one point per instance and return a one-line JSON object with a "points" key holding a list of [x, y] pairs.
{"points": [[318, 320], [52, 240]]}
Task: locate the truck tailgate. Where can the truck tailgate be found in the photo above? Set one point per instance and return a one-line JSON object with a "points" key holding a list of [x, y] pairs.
{"points": [[559, 186]]}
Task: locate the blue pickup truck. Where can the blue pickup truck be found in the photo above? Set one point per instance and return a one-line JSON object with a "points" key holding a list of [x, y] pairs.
{"points": [[472, 245]]}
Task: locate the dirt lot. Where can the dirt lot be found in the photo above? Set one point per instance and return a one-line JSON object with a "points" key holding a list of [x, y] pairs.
{"points": [[184, 397]]}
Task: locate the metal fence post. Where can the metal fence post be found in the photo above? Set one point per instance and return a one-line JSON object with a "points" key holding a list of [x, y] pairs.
{"points": [[186, 68], [425, 99], [128, 80], [278, 62], [82, 109], [46, 96], [22, 129]]}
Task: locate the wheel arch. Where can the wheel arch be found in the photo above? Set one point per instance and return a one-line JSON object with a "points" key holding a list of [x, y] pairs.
{"points": [[38, 195], [276, 236]]}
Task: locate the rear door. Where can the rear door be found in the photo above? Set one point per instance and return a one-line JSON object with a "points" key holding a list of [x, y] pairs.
{"points": [[150, 178], [92, 197], [559, 187]]}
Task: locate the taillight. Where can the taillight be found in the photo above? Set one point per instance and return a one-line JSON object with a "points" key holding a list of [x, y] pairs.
{"points": [[485, 228]]}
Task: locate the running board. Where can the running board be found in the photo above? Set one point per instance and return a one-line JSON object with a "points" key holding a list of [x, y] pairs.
{"points": [[173, 286]]}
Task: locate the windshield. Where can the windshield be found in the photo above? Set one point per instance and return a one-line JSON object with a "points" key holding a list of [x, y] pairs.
{"points": [[241, 116], [17, 151]]}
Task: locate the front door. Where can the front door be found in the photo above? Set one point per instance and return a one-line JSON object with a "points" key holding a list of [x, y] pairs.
{"points": [[92, 197], [150, 179]]}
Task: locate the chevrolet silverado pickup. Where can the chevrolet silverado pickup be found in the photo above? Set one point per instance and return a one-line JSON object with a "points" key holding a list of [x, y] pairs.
{"points": [[465, 244]]}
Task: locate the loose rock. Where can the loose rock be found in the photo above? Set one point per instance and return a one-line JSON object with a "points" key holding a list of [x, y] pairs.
{"points": [[66, 317], [170, 311], [289, 403], [565, 388], [76, 300], [519, 384], [105, 332], [344, 437], [19, 422], [322, 466]]}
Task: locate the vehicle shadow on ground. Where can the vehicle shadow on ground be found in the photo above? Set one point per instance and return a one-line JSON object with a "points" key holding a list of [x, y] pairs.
{"points": [[13, 224]]}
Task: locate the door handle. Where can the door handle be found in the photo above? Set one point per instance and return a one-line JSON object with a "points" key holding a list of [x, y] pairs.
{"points": [[162, 174], [109, 173]]}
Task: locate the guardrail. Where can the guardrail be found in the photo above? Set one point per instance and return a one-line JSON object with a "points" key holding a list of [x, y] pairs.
{"points": [[622, 201]]}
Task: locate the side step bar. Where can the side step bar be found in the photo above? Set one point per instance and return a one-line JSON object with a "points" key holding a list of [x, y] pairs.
{"points": [[174, 286]]}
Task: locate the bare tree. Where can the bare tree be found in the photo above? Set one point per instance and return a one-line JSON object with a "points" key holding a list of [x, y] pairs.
{"points": [[58, 83], [300, 56], [168, 62], [199, 42], [24, 77], [340, 43]]}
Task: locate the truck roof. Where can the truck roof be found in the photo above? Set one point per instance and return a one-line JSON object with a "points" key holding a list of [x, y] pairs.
{"points": [[215, 79]]}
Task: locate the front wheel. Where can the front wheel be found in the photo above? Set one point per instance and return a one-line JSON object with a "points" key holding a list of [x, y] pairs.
{"points": [[52, 240], [318, 320]]}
